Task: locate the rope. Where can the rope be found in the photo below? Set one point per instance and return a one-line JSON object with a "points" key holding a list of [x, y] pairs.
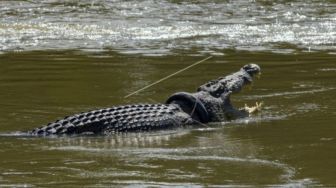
{"points": [[165, 78]]}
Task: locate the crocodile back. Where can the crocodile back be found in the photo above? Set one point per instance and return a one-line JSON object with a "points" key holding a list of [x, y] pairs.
{"points": [[127, 118]]}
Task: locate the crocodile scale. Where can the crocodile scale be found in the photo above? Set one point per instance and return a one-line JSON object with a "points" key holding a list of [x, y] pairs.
{"points": [[127, 118]]}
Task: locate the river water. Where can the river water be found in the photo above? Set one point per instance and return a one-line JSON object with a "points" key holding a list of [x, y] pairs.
{"points": [[62, 57]]}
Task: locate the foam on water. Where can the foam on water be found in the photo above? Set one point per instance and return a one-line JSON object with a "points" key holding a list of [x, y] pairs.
{"points": [[161, 27]]}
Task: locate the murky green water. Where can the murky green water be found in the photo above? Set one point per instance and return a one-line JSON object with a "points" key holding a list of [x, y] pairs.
{"points": [[60, 57], [292, 142]]}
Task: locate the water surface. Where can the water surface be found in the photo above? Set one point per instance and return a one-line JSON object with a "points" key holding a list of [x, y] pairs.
{"points": [[168, 27], [291, 142], [97, 52]]}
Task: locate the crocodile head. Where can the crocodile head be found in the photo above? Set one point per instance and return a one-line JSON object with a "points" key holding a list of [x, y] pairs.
{"points": [[252, 69], [232, 83], [221, 90], [202, 105]]}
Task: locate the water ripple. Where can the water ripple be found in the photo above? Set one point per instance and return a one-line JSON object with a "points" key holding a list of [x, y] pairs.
{"points": [[289, 93], [162, 27]]}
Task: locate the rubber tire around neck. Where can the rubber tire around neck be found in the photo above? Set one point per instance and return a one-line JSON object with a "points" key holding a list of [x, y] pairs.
{"points": [[191, 101]]}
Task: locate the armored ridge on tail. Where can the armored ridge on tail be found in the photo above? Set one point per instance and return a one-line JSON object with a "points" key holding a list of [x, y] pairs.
{"points": [[211, 103]]}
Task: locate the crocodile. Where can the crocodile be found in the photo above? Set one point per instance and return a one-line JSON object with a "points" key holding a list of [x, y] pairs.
{"points": [[210, 103]]}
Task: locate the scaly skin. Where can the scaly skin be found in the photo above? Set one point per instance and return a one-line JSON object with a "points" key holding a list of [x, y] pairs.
{"points": [[211, 103], [128, 118]]}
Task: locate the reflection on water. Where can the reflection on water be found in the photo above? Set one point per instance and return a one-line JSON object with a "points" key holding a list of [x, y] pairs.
{"points": [[167, 27], [133, 140], [160, 158]]}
